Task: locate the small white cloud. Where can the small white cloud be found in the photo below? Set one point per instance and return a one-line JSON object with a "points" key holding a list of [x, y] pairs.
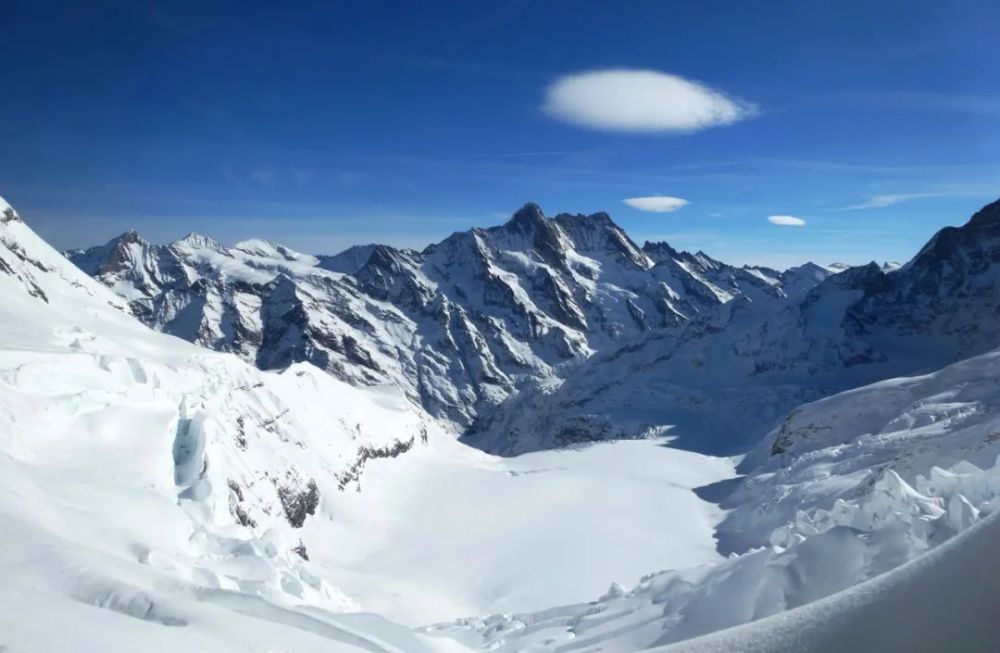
{"points": [[641, 101], [786, 220], [656, 203]]}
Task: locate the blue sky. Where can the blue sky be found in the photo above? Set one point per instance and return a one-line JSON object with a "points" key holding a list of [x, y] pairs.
{"points": [[338, 123]]}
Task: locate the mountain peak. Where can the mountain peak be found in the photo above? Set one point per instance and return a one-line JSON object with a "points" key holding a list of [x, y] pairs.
{"points": [[659, 251], [267, 249], [603, 218], [198, 240], [527, 218], [130, 236], [989, 215], [348, 261], [596, 233], [809, 267], [592, 220], [7, 212]]}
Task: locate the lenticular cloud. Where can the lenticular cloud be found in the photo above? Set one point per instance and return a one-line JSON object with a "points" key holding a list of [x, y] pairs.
{"points": [[656, 203], [786, 221], [641, 101]]}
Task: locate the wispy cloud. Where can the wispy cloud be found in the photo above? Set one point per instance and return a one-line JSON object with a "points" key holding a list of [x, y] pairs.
{"points": [[656, 203], [786, 221], [641, 101], [891, 199], [882, 201]]}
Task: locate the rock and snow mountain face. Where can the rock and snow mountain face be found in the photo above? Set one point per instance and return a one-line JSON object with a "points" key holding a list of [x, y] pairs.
{"points": [[264, 302], [886, 266], [460, 327], [724, 379]]}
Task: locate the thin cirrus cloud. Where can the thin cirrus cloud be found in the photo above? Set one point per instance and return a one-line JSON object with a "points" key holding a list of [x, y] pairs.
{"points": [[786, 221], [641, 101], [882, 201], [656, 203]]}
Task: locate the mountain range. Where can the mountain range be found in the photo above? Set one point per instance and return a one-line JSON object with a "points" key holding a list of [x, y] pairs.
{"points": [[460, 327], [552, 331]]}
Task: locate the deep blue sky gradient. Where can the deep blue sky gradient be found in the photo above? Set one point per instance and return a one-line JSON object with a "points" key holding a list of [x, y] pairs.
{"points": [[325, 124]]}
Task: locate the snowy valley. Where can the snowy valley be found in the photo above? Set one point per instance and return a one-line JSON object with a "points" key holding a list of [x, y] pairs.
{"points": [[538, 436]]}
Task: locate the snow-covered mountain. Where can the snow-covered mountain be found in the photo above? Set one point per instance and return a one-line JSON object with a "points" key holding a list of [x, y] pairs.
{"points": [[157, 492], [612, 340], [886, 266], [721, 381], [460, 326], [153, 491]]}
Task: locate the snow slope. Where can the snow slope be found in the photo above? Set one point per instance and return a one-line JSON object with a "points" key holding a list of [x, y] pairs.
{"points": [[833, 450]]}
